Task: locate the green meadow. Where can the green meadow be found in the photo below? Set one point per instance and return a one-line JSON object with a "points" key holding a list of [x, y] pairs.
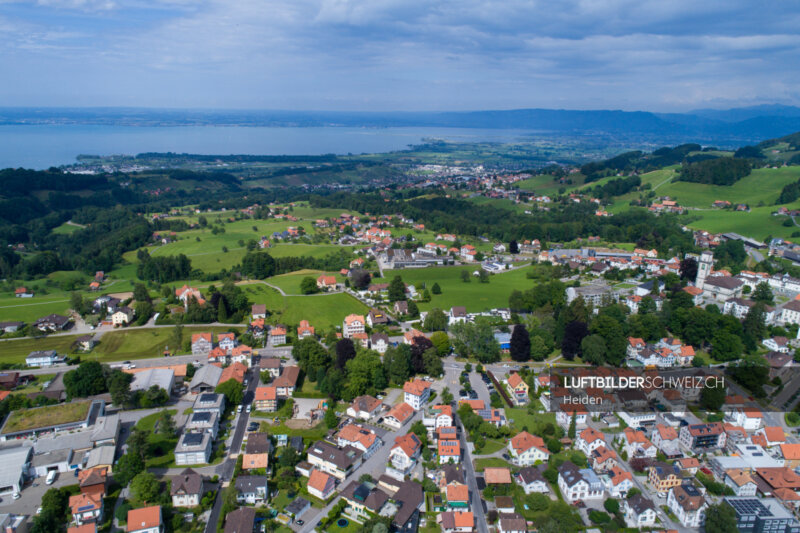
{"points": [[475, 296]]}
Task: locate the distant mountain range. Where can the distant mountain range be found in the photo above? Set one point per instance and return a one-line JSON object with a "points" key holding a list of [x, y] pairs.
{"points": [[731, 126]]}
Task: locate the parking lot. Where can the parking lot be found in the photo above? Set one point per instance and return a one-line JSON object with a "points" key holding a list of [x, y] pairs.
{"points": [[32, 493]]}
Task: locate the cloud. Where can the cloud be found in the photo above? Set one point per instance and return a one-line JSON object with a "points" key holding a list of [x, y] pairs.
{"points": [[414, 53]]}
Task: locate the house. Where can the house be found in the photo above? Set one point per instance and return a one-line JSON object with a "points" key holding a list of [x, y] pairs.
{"points": [[457, 314], [205, 379], [688, 505], [740, 481], [201, 344], [44, 358], [639, 512], [603, 459], [578, 484], [526, 449], [770, 436], [305, 330], [186, 489], [325, 282], [399, 415], [438, 416], [338, 462], [774, 479], [497, 476], [271, 365], [791, 455], [416, 393], [777, 344], [379, 342], [297, 507], [565, 414], [277, 335], [364, 500], [618, 482], [517, 388], [255, 461], [22, 292], [145, 520], [226, 341], [266, 399], [376, 317], [287, 381], [531, 480], [360, 339], [85, 343], [321, 485], [456, 521], [750, 418], [122, 316], [449, 451], [512, 523], [193, 448], [11, 326], [665, 438], [589, 440], [636, 444], [701, 438], [457, 495], [236, 371], [353, 324], [663, 476], [251, 489], [259, 311], [93, 480], [689, 464], [186, 293], [364, 407], [401, 307], [207, 422], [86, 507], [241, 520], [360, 438], [405, 452], [52, 322]]}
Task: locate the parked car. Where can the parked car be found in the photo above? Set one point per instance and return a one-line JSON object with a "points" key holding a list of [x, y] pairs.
{"points": [[51, 477], [16, 496], [238, 408]]}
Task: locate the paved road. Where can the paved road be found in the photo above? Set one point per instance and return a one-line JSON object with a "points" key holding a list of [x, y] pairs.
{"points": [[225, 470], [476, 498]]}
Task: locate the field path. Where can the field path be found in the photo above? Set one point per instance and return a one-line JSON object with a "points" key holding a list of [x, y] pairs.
{"points": [[665, 181]]}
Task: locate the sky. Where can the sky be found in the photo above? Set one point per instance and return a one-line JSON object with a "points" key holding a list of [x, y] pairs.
{"points": [[400, 55]]}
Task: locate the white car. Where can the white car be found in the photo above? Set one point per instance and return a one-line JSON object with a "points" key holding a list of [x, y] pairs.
{"points": [[16, 496], [51, 477], [248, 408], [238, 408]]}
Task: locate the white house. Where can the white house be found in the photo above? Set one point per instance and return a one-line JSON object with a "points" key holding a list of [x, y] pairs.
{"points": [[145, 520], [186, 489], [589, 440], [359, 438], [750, 418], [416, 393], [688, 505], [531, 480], [741, 482], [526, 449], [639, 512], [251, 489], [353, 324], [405, 452], [579, 484], [618, 482]]}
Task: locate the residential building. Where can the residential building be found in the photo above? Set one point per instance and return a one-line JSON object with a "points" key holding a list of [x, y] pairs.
{"points": [[399, 415], [251, 489], [636, 444], [589, 440], [416, 393], [531, 480], [241, 520], [277, 335], [639, 512], [405, 452], [338, 462], [145, 520], [266, 399], [526, 449], [353, 324], [286, 383], [379, 342], [321, 485], [360, 438], [376, 317], [449, 451], [201, 344], [618, 482], [517, 388], [43, 358], [701, 438], [456, 521], [193, 448], [209, 402], [512, 523], [364, 407], [687, 504], [187, 489], [578, 484], [86, 507], [305, 330], [271, 365], [122, 316], [663, 477], [740, 481]]}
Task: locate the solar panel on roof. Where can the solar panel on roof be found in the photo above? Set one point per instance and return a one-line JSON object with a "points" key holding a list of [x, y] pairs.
{"points": [[208, 398], [201, 417], [192, 439]]}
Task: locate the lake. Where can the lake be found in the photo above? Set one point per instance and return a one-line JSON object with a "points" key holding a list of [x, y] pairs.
{"points": [[43, 146]]}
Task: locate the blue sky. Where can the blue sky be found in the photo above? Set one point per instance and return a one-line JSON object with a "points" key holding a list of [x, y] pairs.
{"points": [[666, 55]]}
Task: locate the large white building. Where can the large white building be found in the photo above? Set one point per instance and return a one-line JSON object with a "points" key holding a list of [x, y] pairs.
{"points": [[688, 505]]}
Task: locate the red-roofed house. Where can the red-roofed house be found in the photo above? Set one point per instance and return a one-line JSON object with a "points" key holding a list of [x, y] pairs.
{"points": [[398, 415], [416, 393], [526, 449], [145, 520], [320, 484]]}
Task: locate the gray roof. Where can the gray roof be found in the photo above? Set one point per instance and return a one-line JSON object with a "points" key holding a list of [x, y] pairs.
{"points": [[193, 442], [248, 484], [640, 504], [81, 440], [161, 377], [343, 458], [240, 521], [207, 375], [297, 507], [188, 481], [51, 458], [105, 427], [12, 463], [102, 455]]}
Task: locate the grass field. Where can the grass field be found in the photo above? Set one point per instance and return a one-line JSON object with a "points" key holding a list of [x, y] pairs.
{"points": [[40, 417], [113, 346], [290, 283], [323, 311], [474, 295], [65, 229], [758, 223], [29, 309]]}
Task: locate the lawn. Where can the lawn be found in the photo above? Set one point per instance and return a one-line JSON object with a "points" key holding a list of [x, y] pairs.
{"points": [[322, 311], [520, 418], [474, 295], [29, 309], [762, 185], [491, 447], [489, 462], [16, 350], [290, 283], [51, 415], [66, 229], [758, 223], [161, 448]]}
